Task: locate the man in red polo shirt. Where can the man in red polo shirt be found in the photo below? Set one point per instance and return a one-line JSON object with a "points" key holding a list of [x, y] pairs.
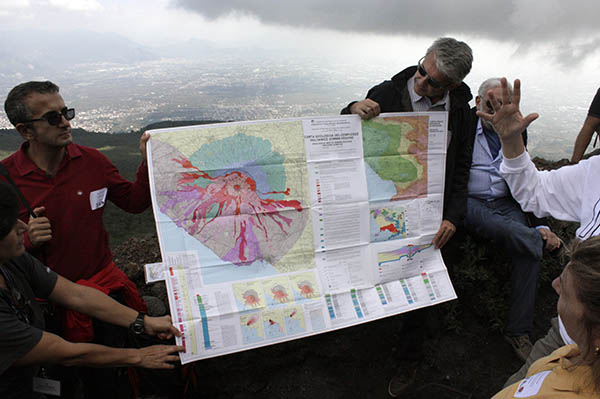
{"points": [[66, 186]]}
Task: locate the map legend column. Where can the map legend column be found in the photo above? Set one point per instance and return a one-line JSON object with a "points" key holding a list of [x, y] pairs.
{"points": [[204, 321]]}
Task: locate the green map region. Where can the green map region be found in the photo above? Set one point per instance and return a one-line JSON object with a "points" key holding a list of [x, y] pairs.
{"points": [[395, 151]]}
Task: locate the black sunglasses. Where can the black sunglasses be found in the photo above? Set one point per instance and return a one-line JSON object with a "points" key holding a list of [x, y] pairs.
{"points": [[431, 82], [54, 117]]}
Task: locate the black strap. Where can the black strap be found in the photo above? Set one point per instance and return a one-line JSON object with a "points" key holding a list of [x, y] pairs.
{"points": [[4, 172]]}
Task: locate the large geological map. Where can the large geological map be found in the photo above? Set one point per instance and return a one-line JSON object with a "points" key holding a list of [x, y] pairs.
{"points": [[238, 198], [276, 230]]}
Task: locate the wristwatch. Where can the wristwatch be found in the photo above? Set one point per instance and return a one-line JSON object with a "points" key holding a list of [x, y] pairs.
{"points": [[138, 325]]}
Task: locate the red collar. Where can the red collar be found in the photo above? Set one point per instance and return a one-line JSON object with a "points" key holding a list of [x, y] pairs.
{"points": [[24, 165]]}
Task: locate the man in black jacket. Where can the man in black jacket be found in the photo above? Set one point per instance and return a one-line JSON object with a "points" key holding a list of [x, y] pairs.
{"points": [[435, 84]]}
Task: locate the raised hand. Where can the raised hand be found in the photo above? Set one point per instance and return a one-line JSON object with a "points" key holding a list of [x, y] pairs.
{"points": [[507, 119], [143, 141]]}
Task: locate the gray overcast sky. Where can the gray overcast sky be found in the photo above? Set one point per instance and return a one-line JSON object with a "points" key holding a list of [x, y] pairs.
{"points": [[570, 26], [534, 40], [568, 29], [523, 21], [540, 38]]}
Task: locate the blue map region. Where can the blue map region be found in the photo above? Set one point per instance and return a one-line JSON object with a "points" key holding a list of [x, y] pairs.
{"points": [[250, 335], [379, 189], [273, 331], [214, 270]]}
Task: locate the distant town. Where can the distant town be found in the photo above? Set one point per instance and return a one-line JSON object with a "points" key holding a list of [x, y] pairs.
{"points": [[137, 87]]}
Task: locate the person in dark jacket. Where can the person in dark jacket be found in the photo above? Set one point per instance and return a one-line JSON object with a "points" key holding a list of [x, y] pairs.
{"points": [[434, 84]]}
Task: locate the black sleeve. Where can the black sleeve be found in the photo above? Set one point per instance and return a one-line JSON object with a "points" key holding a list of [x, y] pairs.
{"points": [[41, 279], [346, 110], [457, 181], [595, 106]]}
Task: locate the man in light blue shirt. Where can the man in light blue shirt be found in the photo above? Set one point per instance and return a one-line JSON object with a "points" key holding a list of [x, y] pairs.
{"points": [[494, 215]]}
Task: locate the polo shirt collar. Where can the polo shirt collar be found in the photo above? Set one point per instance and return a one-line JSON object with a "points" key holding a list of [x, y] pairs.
{"points": [[416, 98], [24, 165]]}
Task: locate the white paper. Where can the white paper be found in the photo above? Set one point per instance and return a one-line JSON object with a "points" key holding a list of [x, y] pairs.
{"points": [[98, 198]]}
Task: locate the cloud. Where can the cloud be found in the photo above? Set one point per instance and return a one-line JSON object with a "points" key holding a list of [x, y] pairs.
{"points": [[522, 21], [77, 5], [7, 8]]}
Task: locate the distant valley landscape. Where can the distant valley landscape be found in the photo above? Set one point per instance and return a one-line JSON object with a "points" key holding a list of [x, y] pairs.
{"points": [[119, 86]]}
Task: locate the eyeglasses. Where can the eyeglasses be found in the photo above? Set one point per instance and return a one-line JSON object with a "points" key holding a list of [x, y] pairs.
{"points": [[431, 82], [54, 117]]}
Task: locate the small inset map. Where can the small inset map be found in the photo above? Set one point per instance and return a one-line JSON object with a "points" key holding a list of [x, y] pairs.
{"points": [[388, 223], [294, 320], [249, 295], [277, 291], [252, 328], [304, 286], [273, 324], [395, 151]]}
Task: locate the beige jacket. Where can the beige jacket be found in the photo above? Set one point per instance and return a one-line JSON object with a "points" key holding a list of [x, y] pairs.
{"points": [[554, 377]]}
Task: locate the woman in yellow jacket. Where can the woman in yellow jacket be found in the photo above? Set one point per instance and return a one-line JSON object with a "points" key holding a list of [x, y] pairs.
{"points": [[572, 371]]}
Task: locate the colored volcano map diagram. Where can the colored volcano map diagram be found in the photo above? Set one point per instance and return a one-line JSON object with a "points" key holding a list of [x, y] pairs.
{"points": [[230, 193], [387, 223], [406, 253], [395, 150]]}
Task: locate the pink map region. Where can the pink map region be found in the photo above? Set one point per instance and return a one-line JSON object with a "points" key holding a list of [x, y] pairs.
{"points": [[230, 216]]}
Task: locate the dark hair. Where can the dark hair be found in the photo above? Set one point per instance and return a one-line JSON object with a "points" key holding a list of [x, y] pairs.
{"points": [[9, 209], [15, 106], [584, 267]]}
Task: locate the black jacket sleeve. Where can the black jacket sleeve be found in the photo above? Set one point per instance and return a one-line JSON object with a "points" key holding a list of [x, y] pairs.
{"points": [[458, 165]]}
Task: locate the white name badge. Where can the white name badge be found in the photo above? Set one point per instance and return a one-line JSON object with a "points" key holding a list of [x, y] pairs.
{"points": [[154, 272], [46, 386], [531, 385], [98, 198]]}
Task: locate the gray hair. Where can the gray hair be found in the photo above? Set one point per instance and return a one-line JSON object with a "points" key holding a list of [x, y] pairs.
{"points": [[491, 83], [452, 58], [15, 106]]}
